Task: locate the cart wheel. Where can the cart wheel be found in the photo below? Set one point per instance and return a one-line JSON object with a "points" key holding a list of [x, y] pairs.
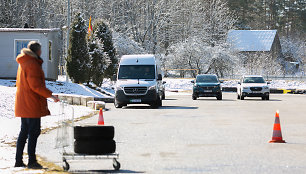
{"points": [[116, 165], [66, 167]]}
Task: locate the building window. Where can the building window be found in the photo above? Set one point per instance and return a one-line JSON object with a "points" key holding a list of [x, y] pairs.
{"points": [[21, 43], [50, 50]]}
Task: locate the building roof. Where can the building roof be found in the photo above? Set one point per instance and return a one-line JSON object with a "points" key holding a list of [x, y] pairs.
{"points": [[251, 40], [38, 30]]}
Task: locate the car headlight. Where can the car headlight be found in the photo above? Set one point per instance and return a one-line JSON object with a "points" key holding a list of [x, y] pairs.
{"points": [[118, 88], [152, 87], [266, 87]]}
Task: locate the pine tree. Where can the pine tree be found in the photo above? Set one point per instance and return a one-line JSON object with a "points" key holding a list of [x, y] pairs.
{"points": [[105, 35], [78, 57], [99, 60]]}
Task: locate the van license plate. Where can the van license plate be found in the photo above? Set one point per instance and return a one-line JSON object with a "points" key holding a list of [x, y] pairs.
{"points": [[135, 100], [207, 90]]}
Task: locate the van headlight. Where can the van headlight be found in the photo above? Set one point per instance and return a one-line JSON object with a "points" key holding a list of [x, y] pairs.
{"points": [[152, 87], [118, 88]]}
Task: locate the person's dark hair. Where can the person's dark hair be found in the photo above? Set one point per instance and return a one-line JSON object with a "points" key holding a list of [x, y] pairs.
{"points": [[34, 46]]}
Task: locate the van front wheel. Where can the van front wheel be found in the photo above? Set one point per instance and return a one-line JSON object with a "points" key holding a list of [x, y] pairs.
{"points": [[157, 103], [117, 105]]}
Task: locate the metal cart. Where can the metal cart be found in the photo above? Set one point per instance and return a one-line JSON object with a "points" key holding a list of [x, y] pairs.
{"points": [[64, 140]]}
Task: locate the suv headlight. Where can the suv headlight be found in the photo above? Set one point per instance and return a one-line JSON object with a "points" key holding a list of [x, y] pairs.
{"points": [[266, 87], [152, 87]]}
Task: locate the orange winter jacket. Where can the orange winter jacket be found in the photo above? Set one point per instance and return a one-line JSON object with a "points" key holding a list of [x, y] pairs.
{"points": [[32, 94]]}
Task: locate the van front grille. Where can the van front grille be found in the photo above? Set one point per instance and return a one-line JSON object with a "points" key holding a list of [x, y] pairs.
{"points": [[135, 90]]}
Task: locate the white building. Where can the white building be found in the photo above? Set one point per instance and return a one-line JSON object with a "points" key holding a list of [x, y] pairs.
{"points": [[12, 40]]}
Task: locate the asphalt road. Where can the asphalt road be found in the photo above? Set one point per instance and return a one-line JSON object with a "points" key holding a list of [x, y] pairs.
{"points": [[203, 136]]}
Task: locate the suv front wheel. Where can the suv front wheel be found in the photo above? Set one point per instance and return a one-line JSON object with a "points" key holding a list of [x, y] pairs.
{"points": [[194, 97], [266, 97], [219, 97]]}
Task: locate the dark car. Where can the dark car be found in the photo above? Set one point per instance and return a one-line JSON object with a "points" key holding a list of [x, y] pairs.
{"points": [[206, 85]]}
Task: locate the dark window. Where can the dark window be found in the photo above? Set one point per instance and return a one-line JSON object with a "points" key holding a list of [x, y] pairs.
{"points": [[253, 80], [207, 79], [50, 50], [136, 72]]}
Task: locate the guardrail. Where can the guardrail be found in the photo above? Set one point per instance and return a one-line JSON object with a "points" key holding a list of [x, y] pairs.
{"points": [[82, 100]]}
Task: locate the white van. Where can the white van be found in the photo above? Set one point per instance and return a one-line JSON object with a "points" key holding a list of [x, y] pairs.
{"points": [[139, 81]]}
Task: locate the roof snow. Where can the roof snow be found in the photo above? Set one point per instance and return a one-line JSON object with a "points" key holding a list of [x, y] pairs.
{"points": [[251, 40]]}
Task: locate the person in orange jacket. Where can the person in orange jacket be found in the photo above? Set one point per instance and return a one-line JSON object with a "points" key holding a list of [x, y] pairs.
{"points": [[30, 102]]}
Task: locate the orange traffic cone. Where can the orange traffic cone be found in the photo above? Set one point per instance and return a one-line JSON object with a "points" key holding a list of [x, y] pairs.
{"points": [[101, 120], [277, 132]]}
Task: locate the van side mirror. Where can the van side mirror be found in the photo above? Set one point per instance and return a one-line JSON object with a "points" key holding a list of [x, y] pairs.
{"points": [[160, 77], [114, 78], [192, 81], [164, 82], [239, 83]]}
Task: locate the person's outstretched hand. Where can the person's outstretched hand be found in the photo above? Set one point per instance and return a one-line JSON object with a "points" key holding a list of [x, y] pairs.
{"points": [[55, 98]]}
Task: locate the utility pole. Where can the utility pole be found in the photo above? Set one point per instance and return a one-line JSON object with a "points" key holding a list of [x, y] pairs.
{"points": [[67, 39]]}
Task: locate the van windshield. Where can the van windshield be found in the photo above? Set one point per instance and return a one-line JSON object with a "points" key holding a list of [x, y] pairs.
{"points": [[136, 72]]}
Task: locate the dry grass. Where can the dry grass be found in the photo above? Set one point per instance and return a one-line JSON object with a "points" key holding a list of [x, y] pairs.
{"points": [[48, 168]]}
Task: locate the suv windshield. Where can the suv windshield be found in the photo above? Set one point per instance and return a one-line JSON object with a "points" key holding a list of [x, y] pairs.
{"points": [[207, 79], [253, 80], [136, 72]]}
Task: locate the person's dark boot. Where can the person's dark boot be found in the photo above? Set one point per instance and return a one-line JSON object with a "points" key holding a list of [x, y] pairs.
{"points": [[19, 164], [34, 165]]}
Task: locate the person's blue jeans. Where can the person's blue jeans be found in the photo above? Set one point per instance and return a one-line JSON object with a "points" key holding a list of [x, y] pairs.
{"points": [[30, 129]]}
